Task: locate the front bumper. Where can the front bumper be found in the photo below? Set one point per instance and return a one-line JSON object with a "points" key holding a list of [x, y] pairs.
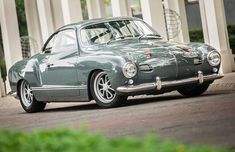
{"points": [[166, 84]]}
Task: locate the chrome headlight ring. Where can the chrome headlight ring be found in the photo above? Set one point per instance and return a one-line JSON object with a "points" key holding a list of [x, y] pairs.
{"points": [[129, 70], [214, 58]]}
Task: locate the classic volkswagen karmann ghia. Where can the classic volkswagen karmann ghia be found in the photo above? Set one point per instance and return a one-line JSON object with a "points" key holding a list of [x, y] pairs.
{"points": [[108, 60]]}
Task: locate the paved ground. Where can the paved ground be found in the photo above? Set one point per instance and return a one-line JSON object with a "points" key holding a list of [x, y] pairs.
{"points": [[208, 119]]}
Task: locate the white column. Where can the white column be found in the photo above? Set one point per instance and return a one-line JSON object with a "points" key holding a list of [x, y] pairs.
{"points": [[96, 8], [179, 7], [215, 30], [72, 11], [120, 8], [153, 14], [204, 21], [57, 13], [10, 34], [46, 18], [33, 24]]}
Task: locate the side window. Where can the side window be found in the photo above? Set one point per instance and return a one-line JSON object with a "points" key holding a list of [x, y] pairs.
{"points": [[65, 41]]}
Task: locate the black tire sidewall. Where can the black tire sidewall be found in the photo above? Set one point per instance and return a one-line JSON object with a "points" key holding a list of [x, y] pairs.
{"points": [[114, 103], [35, 106], [191, 91]]}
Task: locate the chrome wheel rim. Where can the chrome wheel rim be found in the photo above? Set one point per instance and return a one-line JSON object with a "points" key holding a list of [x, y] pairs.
{"points": [[103, 89], [26, 94]]}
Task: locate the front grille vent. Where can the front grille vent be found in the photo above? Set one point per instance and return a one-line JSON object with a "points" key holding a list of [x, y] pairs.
{"points": [[197, 61], [145, 67]]}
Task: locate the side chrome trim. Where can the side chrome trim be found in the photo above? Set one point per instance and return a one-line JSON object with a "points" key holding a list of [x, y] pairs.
{"points": [[158, 85], [59, 87]]}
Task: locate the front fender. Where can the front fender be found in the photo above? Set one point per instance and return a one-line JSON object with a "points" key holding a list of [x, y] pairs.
{"points": [[115, 73], [112, 65]]}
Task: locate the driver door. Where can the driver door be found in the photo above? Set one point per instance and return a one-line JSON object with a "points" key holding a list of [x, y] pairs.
{"points": [[61, 77]]}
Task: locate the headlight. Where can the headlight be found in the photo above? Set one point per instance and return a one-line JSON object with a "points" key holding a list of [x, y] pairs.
{"points": [[214, 58], [129, 70]]}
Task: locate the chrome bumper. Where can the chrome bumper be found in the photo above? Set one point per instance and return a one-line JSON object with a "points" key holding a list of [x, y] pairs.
{"points": [[165, 84]]}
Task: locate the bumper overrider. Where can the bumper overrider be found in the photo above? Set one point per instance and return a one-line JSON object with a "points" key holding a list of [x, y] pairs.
{"points": [[158, 85]]}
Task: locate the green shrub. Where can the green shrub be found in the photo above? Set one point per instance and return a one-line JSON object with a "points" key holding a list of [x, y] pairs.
{"points": [[65, 140], [3, 69], [196, 35], [232, 42], [231, 29]]}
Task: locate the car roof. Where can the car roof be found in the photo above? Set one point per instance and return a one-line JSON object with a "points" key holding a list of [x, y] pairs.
{"points": [[95, 21]]}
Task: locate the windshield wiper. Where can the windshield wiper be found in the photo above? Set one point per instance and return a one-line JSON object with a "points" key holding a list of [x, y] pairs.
{"points": [[110, 41], [155, 36], [120, 37], [124, 36]]}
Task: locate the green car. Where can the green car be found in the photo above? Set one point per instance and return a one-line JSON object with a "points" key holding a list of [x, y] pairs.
{"points": [[108, 60]]}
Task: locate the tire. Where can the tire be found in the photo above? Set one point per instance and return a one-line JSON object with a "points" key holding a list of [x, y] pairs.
{"points": [[102, 91], [192, 91], [27, 99]]}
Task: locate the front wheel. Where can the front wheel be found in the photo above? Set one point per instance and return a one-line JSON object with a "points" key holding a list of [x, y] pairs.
{"points": [[27, 99], [195, 90], [102, 91]]}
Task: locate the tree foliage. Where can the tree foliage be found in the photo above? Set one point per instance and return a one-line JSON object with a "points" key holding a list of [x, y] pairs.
{"points": [[21, 17]]}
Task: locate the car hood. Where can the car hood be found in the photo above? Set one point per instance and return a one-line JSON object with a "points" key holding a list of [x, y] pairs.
{"points": [[138, 51]]}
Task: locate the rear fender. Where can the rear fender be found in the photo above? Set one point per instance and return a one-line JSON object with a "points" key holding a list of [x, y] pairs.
{"points": [[25, 70]]}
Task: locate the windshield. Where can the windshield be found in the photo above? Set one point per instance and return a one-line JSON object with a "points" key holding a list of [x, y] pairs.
{"points": [[104, 33]]}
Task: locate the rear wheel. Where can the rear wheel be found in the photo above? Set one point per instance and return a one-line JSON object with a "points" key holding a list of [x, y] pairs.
{"points": [[27, 99], [102, 91], [195, 90]]}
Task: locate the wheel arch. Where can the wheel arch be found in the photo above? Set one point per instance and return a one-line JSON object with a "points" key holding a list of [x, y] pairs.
{"points": [[18, 86]]}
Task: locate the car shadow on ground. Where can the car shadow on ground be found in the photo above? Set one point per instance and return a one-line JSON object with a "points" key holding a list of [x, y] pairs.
{"points": [[129, 102], [134, 101]]}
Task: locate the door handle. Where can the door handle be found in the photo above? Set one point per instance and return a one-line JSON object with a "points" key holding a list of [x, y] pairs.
{"points": [[49, 65]]}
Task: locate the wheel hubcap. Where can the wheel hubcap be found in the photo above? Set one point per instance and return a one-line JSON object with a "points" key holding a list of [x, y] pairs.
{"points": [[26, 94], [103, 88]]}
